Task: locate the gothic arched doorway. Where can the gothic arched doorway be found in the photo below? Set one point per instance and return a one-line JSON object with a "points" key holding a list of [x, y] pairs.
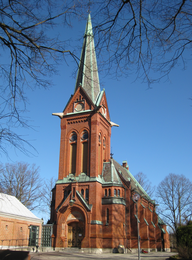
{"points": [[76, 228]]}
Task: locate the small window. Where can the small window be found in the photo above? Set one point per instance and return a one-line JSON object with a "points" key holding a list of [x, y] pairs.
{"points": [[104, 142], [105, 192], [109, 192], [99, 137], [65, 194], [73, 191], [6, 227], [21, 229], [115, 192], [118, 193], [87, 195], [107, 217], [82, 193]]}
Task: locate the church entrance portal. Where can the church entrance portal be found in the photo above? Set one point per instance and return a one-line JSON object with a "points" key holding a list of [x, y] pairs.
{"points": [[75, 234]]}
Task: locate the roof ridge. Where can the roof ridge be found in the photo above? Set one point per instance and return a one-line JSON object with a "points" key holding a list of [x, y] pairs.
{"points": [[135, 181]]}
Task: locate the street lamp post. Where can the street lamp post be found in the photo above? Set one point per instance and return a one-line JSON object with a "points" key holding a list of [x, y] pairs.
{"points": [[136, 197]]}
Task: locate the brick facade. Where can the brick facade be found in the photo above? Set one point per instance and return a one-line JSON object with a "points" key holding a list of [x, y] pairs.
{"points": [[15, 232], [92, 204]]}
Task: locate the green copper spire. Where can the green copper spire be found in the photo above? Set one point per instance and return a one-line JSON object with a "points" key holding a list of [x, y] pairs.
{"points": [[87, 75]]}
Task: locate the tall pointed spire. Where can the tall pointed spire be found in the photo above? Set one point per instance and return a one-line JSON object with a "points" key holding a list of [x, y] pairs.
{"points": [[87, 75]]}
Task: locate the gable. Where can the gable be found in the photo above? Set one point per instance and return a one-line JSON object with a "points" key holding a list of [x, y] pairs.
{"points": [[102, 102], [79, 102]]}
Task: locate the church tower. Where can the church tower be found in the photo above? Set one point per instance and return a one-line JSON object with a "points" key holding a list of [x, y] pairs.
{"points": [[85, 121], [92, 202], [84, 146]]}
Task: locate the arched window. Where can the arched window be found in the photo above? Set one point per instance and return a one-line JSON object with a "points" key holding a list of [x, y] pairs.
{"points": [[73, 137], [109, 192], [107, 216], [105, 192], [84, 136], [82, 192], [73, 149], [118, 193], [115, 192], [84, 141], [99, 154]]}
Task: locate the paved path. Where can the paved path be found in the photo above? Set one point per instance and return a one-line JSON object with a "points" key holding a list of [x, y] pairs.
{"points": [[84, 256]]}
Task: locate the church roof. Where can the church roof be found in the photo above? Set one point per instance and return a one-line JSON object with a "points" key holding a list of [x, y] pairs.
{"points": [[10, 206], [125, 173], [87, 75]]}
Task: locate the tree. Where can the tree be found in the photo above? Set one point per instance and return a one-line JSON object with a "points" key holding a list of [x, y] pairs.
{"points": [[22, 181], [47, 195], [174, 195], [149, 36], [184, 241], [145, 183], [28, 54]]}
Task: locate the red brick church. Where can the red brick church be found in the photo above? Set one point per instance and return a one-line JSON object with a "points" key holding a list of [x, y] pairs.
{"points": [[93, 204]]}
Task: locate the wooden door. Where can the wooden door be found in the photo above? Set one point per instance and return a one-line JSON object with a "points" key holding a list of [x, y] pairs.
{"points": [[75, 234]]}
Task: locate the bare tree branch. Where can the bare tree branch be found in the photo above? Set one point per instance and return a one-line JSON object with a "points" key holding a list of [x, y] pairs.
{"points": [[143, 36], [30, 53], [145, 183]]}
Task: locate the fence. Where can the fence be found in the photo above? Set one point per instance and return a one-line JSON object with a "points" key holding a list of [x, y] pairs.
{"points": [[17, 243]]}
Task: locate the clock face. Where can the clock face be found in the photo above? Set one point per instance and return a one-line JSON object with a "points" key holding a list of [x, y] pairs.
{"points": [[79, 107]]}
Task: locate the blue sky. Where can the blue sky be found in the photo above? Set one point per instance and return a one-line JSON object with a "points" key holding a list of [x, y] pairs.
{"points": [[155, 126]]}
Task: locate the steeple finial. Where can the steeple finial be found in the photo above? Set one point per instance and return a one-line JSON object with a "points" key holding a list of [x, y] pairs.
{"points": [[111, 154], [88, 73], [89, 7]]}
